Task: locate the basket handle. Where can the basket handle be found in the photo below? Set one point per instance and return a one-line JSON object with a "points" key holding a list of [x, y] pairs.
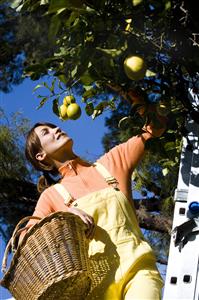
{"points": [[11, 243]]}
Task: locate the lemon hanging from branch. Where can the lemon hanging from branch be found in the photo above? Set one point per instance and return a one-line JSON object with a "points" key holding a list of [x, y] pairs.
{"points": [[73, 111], [135, 67], [63, 112], [69, 109], [69, 99]]}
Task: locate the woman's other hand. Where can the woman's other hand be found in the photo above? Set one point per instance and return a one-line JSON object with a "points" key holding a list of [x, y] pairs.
{"points": [[87, 219]]}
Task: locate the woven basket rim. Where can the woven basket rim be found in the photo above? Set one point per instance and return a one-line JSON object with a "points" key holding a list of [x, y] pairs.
{"points": [[31, 230]]}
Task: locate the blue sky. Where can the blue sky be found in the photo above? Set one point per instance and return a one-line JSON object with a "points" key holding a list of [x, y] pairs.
{"points": [[86, 133]]}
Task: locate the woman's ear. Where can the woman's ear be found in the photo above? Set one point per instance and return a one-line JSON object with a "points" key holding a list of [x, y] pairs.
{"points": [[40, 156]]}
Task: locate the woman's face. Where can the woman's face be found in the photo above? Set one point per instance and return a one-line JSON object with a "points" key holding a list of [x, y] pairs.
{"points": [[53, 141]]}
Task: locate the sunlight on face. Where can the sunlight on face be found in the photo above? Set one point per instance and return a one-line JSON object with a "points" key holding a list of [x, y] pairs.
{"points": [[53, 140]]}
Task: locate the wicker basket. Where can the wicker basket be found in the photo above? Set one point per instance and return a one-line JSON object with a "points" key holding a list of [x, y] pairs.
{"points": [[51, 262]]}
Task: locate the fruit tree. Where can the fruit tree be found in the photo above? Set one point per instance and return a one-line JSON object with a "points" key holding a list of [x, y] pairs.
{"points": [[127, 56], [99, 48]]}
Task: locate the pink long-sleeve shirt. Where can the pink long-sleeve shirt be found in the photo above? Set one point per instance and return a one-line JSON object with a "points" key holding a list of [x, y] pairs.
{"points": [[81, 178]]}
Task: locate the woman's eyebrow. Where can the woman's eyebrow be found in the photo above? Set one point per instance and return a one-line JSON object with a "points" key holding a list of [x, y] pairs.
{"points": [[43, 129]]}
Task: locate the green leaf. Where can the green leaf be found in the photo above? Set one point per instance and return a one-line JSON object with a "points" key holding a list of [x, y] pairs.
{"points": [[35, 71], [111, 52], [40, 96], [44, 2], [112, 104], [54, 27], [56, 106], [88, 87], [63, 78], [89, 108], [74, 72], [74, 17], [86, 79], [62, 52], [56, 5], [89, 93], [37, 87], [168, 5], [98, 110], [35, 68], [165, 171], [15, 3], [43, 101], [170, 146], [96, 113], [27, 7], [46, 85], [150, 73], [35, 76], [136, 2], [52, 88]]}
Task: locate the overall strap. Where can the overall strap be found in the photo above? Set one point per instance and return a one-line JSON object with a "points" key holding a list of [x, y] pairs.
{"points": [[105, 173], [68, 199]]}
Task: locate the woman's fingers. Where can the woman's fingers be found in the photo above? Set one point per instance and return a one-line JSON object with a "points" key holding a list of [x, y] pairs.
{"points": [[87, 219], [91, 228]]}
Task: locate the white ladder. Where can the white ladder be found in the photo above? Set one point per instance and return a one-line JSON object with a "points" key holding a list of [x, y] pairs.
{"points": [[182, 277]]}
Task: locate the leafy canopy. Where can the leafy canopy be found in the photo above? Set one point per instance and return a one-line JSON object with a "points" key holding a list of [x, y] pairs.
{"points": [[83, 44]]}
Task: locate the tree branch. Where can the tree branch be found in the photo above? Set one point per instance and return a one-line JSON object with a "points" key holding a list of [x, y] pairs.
{"points": [[154, 222], [150, 204]]}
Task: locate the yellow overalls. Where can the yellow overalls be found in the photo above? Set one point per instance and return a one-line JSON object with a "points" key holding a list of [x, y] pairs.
{"points": [[122, 262]]}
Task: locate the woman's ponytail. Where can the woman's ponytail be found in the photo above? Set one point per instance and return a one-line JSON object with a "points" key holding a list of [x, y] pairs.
{"points": [[45, 181]]}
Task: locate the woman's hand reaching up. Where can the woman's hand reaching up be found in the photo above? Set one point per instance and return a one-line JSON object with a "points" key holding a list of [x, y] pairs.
{"points": [[87, 219], [155, 124], [154, 131]]}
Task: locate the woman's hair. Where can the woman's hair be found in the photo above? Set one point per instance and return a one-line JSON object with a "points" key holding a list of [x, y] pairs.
{"points": [[32, 147]]}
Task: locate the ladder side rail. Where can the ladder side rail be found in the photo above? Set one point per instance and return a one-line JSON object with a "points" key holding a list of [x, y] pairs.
{"points": [[182, 269], [180, 198]]}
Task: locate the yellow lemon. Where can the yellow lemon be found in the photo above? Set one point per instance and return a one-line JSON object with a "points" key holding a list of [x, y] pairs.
{"points": [[63, 112], [69, 99], [73, 111], [135, 67]]}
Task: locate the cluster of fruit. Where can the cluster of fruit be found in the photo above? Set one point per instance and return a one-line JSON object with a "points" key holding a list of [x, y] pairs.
{"points": [[69, 109], [135, 69]]}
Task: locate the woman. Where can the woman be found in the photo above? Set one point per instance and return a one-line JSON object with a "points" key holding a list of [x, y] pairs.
{"points": [[122, 262]]}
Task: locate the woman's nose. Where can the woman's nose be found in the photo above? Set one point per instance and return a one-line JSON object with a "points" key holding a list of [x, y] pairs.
{"points": [[57, 129]]}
